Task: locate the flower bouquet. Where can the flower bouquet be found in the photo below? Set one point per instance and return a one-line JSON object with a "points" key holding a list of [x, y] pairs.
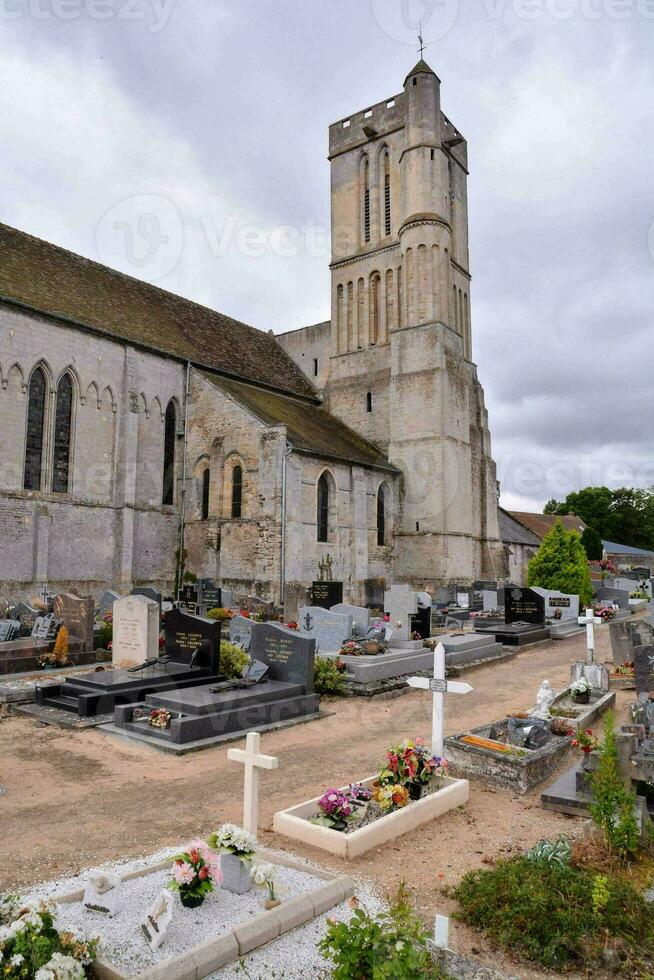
{"points": [[32, 946], [580, 691], [627, 669], [265, 876], [160, 718], [587, 742], [341, 808], [392, 796], [412, 765], [415, 635], [237, 849], [351, 649], [195, 873]]}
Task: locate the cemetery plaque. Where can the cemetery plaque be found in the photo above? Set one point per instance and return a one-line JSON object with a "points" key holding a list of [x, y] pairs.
{"points": [[288, 653], [157, 921], [9, 629], [644, 669], [327, 594], [256, 670], [186, 633], [524, 606], [102, 893], [45, 627], [210, 594], [136, 630], [437, 685]]}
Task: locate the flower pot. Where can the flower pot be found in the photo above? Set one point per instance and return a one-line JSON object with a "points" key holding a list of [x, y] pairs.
{"points": [[582, 698], [585, 762], [416, 790], [372, 648], [189, 900], [272, 903], [236, 874]]}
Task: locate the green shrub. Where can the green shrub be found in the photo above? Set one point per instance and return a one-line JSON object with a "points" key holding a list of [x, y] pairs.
{"points": [[233, 660], [560, 564], [388, 946], [613, 806], [557, 916], [327, 679], [223, 615]]}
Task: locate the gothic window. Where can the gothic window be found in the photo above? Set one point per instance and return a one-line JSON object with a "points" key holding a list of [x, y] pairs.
{"points": [[170, 430], [366, 201], [35, 425], [323, 508], [387, 195], [62, 427], [206, 482], [237, 492]]}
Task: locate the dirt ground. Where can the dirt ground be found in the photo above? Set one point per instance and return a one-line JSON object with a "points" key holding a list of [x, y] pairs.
{"points": [[76, 799]]}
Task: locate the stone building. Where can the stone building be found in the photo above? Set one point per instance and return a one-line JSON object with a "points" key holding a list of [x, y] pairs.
{"points": [[139, 426]]}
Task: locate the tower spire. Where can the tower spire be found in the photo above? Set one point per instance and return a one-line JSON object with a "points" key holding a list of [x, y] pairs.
{"points": [[422, 41]]}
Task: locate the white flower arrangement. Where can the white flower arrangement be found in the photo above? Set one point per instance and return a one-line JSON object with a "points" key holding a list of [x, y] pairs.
{"points": [[582, 686], [60, 967], [10, 905], [265, 875], [230, 839]]}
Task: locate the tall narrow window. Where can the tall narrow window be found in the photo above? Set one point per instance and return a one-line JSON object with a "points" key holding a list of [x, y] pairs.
{"points": [[366, 201], [170, 429], [237, 492], [323, 508], [34, 439], [369, 402], [315, 367], [206, 482], [375, 284], [63, 419], [387, 195], [381, 517]]}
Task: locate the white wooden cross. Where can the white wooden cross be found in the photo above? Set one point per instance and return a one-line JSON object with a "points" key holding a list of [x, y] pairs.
{"points": [[253, 760], [401, 603], [439, 688], [590, 621]]}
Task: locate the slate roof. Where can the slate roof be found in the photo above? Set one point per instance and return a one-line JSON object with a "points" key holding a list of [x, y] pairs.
{"points": [[309, 428], [512, 532], [540, 524], [611, 548], [51, 280]]}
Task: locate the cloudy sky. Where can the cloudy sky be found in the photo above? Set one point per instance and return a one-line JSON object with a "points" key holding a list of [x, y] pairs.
{"points": [[212, 116]]}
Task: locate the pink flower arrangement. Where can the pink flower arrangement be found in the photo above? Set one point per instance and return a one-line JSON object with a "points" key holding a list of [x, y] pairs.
{"points": [[196, 871]]}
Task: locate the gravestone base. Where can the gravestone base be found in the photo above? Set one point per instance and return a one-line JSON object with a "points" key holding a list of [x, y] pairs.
{"points": [[570, 795], [517, 769], [564, 628], [516, 634], [384, 666], [405, 644], [584, 715], [21, 656], [621, 682]]}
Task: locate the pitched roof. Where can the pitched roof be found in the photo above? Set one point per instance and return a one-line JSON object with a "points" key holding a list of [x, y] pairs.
{"points": [[423, 67], [512, 532], [611, 548], [309, 428], [59, 283], [540, 524]]}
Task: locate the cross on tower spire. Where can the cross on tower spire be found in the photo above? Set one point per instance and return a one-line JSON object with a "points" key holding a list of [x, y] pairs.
{"points": [[421, 40]]}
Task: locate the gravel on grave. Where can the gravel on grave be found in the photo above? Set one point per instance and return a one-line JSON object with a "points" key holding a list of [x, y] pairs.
{"points": [[293, 956]]}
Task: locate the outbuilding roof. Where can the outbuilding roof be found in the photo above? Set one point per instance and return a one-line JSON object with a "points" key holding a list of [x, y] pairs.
{"points": [[611, 548], [541, 524]]}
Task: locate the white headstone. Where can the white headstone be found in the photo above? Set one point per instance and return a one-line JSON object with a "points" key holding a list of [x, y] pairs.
{"points": [[360, 615], [156, 923], [559, 605], [490, 600], [136, 629], [401, 604], [102, 892]]}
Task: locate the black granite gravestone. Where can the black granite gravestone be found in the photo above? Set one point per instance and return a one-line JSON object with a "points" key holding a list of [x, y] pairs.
{"points": [[327, 594], [644, 669], [421, 623], [193, 639], [289, 653], [524, 606], [210, 594]]}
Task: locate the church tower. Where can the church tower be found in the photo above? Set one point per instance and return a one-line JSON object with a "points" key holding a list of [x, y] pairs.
{"points": [[401, 370]]}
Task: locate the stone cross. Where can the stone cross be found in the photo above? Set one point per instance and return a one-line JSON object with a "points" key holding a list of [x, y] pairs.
{"points": [[590, 621], [253, 760], [401, 604], [439, 688]]}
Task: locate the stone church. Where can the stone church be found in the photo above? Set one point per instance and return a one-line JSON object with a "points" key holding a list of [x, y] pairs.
{"points": [[142, 432]]}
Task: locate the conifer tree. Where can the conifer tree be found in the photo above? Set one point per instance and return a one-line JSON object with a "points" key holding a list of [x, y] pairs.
{"points": [[560, 564]]}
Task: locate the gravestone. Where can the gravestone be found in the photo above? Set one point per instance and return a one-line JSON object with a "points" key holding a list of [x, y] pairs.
{"points": [[77, 615], [240, 631], [619, 596], [490, 600], [360, 615], [227, 597], [568, 605], [596, 674], [256, 606], [210, 595], [401, 603], [9, 630], [193, 639], [45, 627], [329, 629], [327, 594], [28, 615], [135, 630], [189, 595], [644, 669], [149, 594], [289, 654], [421, 622], [523, 606], [106, 603], [626, 636]]}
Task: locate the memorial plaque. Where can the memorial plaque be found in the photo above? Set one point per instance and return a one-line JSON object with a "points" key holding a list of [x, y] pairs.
{"points": [[193, 638], [210, 594], [289, 654], [327, 594], [524, 606], [9, 630]]}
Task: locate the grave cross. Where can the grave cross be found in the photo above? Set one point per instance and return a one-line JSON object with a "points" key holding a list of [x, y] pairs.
{"points": [[253, 760], [401, 604], [590, 621], [439, 688]]}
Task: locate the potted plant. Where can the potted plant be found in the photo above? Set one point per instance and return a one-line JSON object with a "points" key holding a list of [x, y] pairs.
{"points": [[265, 876], [340, 809], [412, 765], [580, 691], [195, 874], [236, 848], [587, 742]]}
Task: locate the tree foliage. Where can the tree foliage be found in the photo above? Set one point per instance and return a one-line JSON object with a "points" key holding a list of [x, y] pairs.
{"points": [[560, 564], [613, 806], [592, 543], [625, 515]]}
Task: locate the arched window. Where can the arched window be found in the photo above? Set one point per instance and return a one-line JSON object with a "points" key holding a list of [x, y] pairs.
{"points": [[369, 402], [366, 200], [322, 517], [170, 430], [35, 426], [387, 194], [62, 427], [206, 481], [375, 283], [381, 517], [237, 492]]}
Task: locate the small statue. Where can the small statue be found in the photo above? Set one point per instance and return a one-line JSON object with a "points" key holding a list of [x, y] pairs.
{"points": [[544, 700]]}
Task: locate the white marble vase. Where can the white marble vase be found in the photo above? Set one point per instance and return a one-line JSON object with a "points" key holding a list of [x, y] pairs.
{"points": [[236, 874]]}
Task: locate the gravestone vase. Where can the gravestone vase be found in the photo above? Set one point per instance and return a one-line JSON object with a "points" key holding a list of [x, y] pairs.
{"points": [[189, 900], [236, 874], [416, 790]]}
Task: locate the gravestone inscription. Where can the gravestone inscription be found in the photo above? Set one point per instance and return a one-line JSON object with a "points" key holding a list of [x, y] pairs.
{"points": [[329, 629], [193, 639], [240, 630], [327, 594], [523, 606], [289, 654], [135, 630]]}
